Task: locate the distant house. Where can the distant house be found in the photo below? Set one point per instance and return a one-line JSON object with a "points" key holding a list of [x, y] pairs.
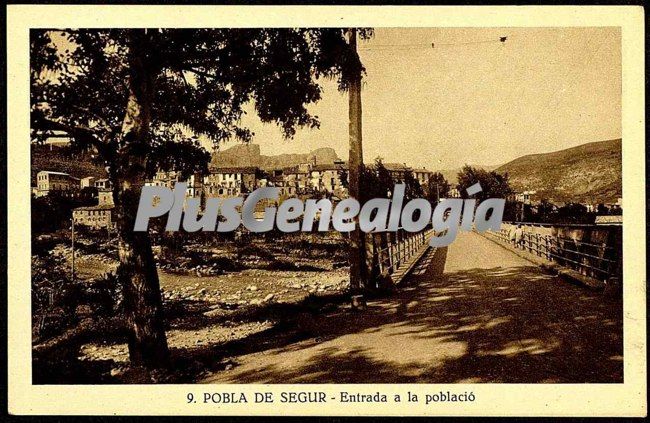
{"points": [[297, 177], [230, 181], [48, 181], [169, 179], [422, 175], [454, 193], [286, 189], [397, 171], [103, 184], [194, 186], [163, 179], [88, 181], [104, 191], [327, 177], [105, 197], [56, 139], [524, 197], [96, 217]]}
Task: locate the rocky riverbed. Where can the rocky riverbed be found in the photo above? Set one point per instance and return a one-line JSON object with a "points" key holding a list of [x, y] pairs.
{"points": [[204, 301]]}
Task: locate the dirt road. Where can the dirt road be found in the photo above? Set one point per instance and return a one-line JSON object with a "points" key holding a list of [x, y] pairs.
{"points": [[473, 312]]}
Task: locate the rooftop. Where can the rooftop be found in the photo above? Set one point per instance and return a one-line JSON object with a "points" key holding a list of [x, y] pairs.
{"points": [[99, 207], [233, 169], [396, 166], [51, 172], [422, 170], [294, 170], [332, 166]]}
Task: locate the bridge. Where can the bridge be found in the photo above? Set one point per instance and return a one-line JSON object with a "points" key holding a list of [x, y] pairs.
{"points": [[472, 312]]}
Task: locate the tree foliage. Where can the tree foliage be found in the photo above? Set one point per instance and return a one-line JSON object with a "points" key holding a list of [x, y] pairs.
{"points": [[436, 187], [203, 80], [141, 97], [374, 179], [412, 188], [54, 211], [493, 184]]}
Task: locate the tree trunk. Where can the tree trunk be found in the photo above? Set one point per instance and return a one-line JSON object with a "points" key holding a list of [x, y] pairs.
{"points": [[358, 269], [137, 270]]}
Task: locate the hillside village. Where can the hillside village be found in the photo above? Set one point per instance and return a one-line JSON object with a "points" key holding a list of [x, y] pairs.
{"points": [[304, 179], [321, 173]]}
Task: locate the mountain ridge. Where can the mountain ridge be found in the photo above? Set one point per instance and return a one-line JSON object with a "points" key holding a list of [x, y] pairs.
{"points": [[587, 173], [250, 155]]}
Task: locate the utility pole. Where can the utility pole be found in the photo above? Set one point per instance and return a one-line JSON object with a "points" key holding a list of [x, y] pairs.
{"points": [[355, 161], [72, 247]]}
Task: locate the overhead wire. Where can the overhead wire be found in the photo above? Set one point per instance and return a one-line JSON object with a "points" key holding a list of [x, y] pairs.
{"points": [[433, 45]]}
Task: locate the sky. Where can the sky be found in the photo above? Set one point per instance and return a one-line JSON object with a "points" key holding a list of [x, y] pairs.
{"points": [[471, 98]]}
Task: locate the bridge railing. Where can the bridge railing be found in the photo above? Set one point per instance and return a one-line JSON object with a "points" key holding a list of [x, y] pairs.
{"points": [[600, 260], [390, 251]]}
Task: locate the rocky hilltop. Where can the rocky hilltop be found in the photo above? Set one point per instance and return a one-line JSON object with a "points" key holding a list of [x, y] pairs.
{"points": [[250, 155]]}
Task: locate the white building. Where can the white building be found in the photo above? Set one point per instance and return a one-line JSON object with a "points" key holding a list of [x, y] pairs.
{"points": [[230, 181], [103, 184], [524, 197], [327, 177], [422, 175], [48, 181], [454, 193], [194, 186], [86, 182]]}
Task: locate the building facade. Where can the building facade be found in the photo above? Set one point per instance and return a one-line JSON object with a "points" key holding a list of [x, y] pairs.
{"points": [[454, 193], [194, 186], [422, 175], [524, 197], [88, 181], [327, 177], [49, 181], [105, 197], [285, 187], [95, 217], [230, 181], [397, 171], [297, 177], [103, 184]]}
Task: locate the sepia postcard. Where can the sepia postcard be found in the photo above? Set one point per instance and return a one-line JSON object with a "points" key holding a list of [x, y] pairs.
{"points": [[326, 210]]}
